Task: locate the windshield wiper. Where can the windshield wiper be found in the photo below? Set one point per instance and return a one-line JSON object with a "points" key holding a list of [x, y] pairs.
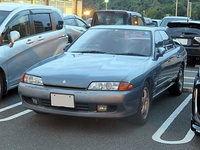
{"points": [[91, 51], [132, 54]]}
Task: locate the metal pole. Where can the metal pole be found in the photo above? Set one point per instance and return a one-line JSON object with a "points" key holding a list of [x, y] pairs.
{"points": [[176, 7], [188, 7]]}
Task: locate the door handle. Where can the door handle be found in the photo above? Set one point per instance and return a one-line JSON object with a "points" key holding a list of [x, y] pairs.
{"points": [[29, 41], [40, 38]]}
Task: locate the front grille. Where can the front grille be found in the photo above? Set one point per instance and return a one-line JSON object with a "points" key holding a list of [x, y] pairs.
{"points": [[84, 107]]}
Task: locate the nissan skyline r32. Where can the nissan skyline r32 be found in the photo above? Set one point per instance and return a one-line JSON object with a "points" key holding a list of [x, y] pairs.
{"points": [[108, 72]]}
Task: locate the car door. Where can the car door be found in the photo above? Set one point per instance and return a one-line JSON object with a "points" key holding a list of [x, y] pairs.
{"points": [[41, 36], [49, 34], [174, 56], [165, 64], [17, 57]]}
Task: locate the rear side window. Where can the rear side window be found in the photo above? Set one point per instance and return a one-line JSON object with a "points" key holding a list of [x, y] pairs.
{"points": [[42, 23], [70, 22], [137, 20]]}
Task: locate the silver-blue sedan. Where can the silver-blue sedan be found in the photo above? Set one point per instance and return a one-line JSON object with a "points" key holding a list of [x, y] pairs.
{"points": [[109, 72]]}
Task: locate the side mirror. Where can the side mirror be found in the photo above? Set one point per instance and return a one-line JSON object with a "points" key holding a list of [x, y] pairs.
{"points": [[14, 35], [160, 52], [66, 46]]}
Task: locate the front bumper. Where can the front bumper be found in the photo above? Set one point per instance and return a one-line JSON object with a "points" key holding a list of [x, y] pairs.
{"points": [[119, 103]]}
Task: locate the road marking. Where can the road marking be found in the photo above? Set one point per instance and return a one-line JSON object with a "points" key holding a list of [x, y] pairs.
{"points": [[191, 71], [189, 78], [190, 134], [15, 115], [11, 106], [188, 83]]}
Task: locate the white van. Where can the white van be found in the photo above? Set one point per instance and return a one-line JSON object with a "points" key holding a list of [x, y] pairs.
{"points": [[28, 34]]}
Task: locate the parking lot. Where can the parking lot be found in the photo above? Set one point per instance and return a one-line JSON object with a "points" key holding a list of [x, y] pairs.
{"points": [[168, 127]]}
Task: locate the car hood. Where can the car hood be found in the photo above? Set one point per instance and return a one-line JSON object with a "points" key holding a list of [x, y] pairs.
{"points": [[79, 70]]}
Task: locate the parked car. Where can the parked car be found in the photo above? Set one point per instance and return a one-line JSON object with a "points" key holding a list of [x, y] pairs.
{"points": [[195, 119], [156, 22], [75, 26], [148, 21], [89, 21], [168, 19], [28, 34], [117, 17], [188, 33], [116, 76]]}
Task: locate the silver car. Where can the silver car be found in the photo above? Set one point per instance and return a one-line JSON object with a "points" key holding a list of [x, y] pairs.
{"points": [[28, 34], [75, 26]]}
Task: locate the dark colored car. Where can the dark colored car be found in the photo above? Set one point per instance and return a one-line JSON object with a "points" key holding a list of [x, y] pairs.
{"points": [[188, 33], [117, 17], [195, 120], [75, 26], [116, 76], [168, 19]]}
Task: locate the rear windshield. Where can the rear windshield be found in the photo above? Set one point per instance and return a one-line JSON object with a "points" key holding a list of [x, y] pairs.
{"points": [[165, 21], [3, 15], [110, 18], [184, 25]]}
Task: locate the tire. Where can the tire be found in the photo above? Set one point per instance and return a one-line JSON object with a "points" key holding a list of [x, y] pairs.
{"points": [[1, 87], [144, 106], [177, 88]]}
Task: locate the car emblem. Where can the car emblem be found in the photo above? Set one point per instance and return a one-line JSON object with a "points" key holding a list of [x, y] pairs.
{"points": [[64, 81]]}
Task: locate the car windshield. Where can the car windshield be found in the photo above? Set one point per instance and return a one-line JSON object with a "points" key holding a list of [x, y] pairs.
{"points": [[3, 15], [114, 41]]}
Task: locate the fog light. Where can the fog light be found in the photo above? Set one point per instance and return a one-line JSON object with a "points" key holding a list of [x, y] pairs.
{"points": [[101, 108], [35, 101]]}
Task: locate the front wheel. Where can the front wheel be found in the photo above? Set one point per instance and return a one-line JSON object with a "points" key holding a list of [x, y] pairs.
{"points": [[144, 105], [1, 87], [177, 88]]}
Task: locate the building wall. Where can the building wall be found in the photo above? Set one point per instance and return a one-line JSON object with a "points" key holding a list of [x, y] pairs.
{"points": [[66, 6]]}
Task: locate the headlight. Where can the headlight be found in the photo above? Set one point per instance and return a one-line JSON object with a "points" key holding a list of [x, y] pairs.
{"points": [[32, 79], [197, 39], [112, 86]]}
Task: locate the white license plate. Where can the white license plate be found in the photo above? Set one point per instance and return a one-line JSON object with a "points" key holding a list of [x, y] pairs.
{"points": [[183, 41], [62, 100]]}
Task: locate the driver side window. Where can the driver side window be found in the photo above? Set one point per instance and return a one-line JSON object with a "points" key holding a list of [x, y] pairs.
{"points": [[20, 24]]}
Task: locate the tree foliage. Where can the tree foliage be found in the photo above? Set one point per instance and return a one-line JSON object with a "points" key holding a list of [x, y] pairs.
{"points": [[149, 8]]}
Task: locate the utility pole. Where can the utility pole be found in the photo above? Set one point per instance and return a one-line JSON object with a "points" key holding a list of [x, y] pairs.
{"points": [[76, 7], [176, 8], [189, 4]]}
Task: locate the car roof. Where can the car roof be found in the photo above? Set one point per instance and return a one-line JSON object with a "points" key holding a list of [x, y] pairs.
{"points": [[186, 21], [9, 6], [183, 17], [147, 28], [70, 16], [126, 11]]}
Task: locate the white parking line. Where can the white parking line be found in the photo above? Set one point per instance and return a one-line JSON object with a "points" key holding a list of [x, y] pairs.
{"points": [[15, 115], [190, 134], [189, 78], [11, 106]]}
